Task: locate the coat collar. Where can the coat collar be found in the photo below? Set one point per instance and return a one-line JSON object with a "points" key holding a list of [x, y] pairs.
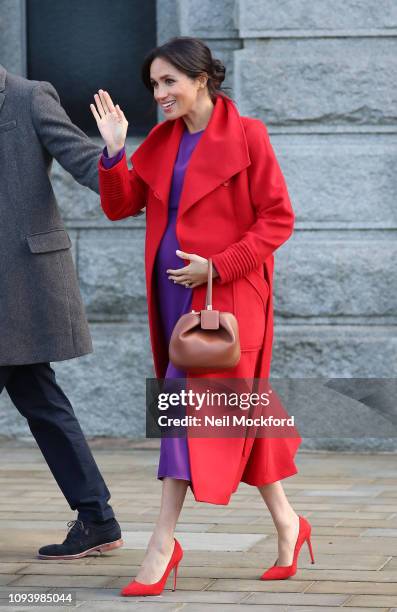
{"points": [[221, 152], [3, 74]]}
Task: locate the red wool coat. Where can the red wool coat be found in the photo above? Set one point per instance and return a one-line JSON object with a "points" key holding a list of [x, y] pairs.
{"points": [[235, 208]]}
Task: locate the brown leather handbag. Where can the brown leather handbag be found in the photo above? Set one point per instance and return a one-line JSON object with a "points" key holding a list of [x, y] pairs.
{"points": [[208, 339]]}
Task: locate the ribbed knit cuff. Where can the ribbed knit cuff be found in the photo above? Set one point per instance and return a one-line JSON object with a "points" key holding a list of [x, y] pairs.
{"points": [[234, 262]]}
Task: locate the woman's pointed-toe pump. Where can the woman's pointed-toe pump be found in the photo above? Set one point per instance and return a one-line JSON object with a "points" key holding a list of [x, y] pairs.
{"points": [[280, 572], [136, 588]]}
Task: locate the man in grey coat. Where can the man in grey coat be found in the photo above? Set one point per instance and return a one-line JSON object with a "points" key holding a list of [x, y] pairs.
{"points": [[42, 317]]}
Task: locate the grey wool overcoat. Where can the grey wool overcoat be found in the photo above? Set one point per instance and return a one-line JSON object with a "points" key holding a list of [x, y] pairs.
{"points": [[42, 316]]}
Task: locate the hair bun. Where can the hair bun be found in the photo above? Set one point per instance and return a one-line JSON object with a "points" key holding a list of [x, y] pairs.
{"points": [[218, 71]]}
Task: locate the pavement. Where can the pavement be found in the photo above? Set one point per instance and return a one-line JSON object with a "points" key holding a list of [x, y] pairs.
{"points": [[349, 498]]}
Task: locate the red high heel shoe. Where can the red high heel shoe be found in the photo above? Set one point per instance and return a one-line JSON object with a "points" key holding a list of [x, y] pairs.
{"points": [[280, 572], [135, 588]]}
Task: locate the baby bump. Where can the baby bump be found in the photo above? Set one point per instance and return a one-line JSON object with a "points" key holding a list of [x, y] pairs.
{"points": [[174, 298], [166, 254]]}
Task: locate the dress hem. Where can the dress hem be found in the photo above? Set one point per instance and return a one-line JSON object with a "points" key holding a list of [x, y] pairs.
{"points": [[171, 476]]}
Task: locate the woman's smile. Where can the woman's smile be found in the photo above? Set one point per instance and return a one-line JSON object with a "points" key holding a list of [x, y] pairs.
{"points": [[168, 106]]}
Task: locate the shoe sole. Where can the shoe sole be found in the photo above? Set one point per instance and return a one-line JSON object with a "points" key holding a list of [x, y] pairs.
{"points": [[102, 548]]}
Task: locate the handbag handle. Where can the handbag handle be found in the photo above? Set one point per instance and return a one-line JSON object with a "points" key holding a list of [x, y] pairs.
{"points": [[208, 299]]}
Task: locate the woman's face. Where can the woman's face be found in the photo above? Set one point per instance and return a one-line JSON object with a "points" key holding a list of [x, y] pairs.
{"points": [[173, 90]]}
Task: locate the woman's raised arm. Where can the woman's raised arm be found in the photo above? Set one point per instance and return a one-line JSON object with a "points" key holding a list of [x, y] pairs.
{"points": [[123, 193]]}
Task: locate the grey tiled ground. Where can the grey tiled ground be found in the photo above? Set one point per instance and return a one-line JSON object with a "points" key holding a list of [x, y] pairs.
{"points": [[350, 499]]}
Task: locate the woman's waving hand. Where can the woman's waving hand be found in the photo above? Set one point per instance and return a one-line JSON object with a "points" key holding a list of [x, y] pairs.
{"points": [[111, 122]]}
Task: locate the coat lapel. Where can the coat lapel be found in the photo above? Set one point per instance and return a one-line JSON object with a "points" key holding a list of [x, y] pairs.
{"points": [[221, 152]]}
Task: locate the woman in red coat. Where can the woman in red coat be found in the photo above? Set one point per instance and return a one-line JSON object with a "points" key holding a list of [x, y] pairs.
{"points": [[209, 180]]}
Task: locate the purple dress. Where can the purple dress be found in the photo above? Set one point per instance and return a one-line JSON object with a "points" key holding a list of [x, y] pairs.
{"points": [[174, 299]]}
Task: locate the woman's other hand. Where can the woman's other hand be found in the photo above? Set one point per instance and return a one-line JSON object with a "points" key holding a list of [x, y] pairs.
{"points": [[194, 274], [111, 122]]}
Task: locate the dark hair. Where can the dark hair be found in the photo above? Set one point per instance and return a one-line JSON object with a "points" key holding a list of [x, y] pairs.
{"points": [[192, 57]]}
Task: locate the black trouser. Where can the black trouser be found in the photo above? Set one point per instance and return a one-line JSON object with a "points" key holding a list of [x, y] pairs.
{"points": [[51, 419]]}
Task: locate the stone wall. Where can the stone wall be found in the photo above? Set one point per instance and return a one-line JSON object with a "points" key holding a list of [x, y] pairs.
{"points": [[321, 76]]}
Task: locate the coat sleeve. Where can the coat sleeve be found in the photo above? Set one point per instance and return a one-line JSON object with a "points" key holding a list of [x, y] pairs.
{"points": [[274, 215], [123, 193], [63, 140]]}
